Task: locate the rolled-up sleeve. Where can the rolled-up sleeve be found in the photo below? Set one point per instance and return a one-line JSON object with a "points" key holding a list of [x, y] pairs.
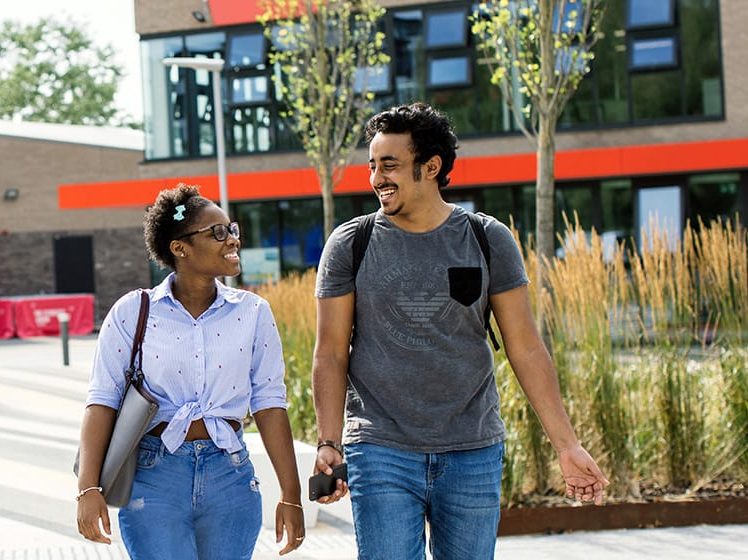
{"points": [[267, 367], [107, 380]]}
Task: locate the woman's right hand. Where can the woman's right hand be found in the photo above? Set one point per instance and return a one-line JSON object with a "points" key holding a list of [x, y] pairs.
{"points": [[91, 509]]}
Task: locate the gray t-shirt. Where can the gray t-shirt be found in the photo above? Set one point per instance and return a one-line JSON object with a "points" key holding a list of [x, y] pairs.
{"points": [[421, 369]]}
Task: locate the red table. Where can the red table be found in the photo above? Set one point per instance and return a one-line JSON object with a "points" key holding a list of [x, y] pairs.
{"points": [[37, 315], [7, 326]]}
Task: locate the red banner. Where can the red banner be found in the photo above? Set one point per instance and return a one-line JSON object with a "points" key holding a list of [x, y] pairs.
{"points": [[39, 315], [7, 328]]}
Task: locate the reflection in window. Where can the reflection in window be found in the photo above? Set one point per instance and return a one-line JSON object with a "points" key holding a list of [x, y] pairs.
{"points": [[617, 213], [648, 13], [250, 129], [206, 127], [573, 17], [162, 106], [302, 240], [247, 50], [448, 71], [656, 95], [659, 213], [408, 40], [375, 78], [258, 222], [575, 202], [713, 196], [657, 52], [570, 60], [499, 203], [446, 29], [699, 44], [249, 89]]}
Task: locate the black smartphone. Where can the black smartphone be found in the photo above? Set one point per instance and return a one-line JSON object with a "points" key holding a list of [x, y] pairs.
{"points": [[322, 484]]}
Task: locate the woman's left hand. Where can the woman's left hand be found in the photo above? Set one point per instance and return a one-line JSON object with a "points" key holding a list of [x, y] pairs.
{"points": [[290, 516]]}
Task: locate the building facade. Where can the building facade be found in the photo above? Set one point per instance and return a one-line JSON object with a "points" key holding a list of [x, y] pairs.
{"points": [[659, 124]]}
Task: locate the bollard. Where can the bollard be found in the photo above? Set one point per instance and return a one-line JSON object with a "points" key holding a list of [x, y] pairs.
{"points": [[63, 319]]}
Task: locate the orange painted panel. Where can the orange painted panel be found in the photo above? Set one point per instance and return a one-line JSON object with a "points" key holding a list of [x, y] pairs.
{"points": [[232, 12], [595, 163]]}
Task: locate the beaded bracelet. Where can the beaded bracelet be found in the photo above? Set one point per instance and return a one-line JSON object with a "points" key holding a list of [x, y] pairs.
{"points": [[329, 443], [290, 504], [82, 492]]}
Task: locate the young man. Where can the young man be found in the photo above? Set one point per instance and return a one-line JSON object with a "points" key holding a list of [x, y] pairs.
{"points": [[423, 436]]}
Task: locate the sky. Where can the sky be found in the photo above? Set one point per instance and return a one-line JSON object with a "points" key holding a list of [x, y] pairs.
{"points": [[109, 22]]}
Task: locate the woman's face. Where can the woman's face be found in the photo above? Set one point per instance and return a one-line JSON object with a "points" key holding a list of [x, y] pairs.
{"points": [[206, 255]]}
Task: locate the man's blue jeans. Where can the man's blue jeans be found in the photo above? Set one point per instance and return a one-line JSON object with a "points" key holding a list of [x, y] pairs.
{"points": [[200, 502], [394, 493]]}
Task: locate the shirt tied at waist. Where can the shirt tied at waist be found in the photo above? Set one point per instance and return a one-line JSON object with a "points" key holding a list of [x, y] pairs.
{"points": [[219, 429]]}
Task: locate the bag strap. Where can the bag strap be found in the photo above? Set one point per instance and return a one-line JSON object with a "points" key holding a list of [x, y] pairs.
{"points": [[137, 342], [361, 240], [480, 234]]}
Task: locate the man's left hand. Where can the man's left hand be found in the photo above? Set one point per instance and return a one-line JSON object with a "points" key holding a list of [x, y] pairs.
{"points": [[584, 479]]}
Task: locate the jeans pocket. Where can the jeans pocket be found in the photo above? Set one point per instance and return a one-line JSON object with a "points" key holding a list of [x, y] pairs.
{"points": [[239, 458], [465, 284], [147, 458]]}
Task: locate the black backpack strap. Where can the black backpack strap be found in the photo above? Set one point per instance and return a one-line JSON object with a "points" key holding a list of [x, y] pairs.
{"points": [[480, 234], [361, 240]]}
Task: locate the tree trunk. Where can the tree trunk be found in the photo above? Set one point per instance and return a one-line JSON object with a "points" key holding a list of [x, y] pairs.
{"points": [[325, 173], [544, 214]]}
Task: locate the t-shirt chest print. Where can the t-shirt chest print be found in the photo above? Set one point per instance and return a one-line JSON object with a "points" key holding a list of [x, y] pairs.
{"points": [[416, 303]]}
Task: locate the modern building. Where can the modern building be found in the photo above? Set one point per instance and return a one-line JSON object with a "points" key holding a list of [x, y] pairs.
{"points": [[660, 123]]}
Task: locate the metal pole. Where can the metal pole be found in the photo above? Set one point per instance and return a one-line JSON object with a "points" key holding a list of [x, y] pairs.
{"points": [[220, 142], [223, 191], [63, 319]]}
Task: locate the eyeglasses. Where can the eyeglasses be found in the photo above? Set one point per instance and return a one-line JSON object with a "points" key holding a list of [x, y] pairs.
{"points": [[220, 231]]}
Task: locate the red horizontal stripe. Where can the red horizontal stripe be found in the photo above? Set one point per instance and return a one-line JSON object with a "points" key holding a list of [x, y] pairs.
{"points": [[623, 161]]}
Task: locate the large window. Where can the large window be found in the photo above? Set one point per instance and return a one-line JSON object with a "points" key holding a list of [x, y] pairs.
{"points": [[658, 60]]}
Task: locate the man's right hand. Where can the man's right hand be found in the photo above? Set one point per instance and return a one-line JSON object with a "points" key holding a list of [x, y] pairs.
{"points": [[327, 458]]}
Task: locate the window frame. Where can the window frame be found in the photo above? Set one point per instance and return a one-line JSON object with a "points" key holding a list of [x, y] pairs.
{"points": [[670, 22], [429, 13], [632, 40], [447, 54]]}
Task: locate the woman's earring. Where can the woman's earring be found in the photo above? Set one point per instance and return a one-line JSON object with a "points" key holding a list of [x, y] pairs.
{"points": [[182, 255]]}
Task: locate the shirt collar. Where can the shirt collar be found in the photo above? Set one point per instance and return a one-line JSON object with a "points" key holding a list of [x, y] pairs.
{"points": [[223, 292]]}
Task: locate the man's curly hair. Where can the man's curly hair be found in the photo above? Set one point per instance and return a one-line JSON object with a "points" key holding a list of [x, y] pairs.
{"points": [[160, 227], [430, 131]]}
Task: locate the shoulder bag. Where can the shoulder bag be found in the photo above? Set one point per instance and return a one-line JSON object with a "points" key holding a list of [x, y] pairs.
{"points": [[136, 411]]}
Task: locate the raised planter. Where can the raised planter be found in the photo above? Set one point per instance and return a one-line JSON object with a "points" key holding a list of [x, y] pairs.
{"points": [[559, 519]]}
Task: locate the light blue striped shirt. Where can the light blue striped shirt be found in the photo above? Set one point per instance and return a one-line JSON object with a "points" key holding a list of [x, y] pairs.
{"points": [[218, 366]]}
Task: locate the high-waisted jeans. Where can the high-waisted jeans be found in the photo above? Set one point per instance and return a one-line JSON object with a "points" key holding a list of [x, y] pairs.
{"points": [[394, 493], [200, 502]]}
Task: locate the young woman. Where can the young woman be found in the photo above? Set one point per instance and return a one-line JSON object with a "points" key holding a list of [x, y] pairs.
{"points": [[210, 354]]}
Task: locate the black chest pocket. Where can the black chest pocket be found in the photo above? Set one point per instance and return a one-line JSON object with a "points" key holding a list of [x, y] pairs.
{"points": [[465, 283]]}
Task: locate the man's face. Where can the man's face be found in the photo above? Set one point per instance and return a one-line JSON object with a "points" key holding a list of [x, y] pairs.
{"points": [[394, 176]]}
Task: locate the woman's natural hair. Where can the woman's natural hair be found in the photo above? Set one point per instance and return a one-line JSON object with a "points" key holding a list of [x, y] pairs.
{"points": [[430, 131], [173, 214]]}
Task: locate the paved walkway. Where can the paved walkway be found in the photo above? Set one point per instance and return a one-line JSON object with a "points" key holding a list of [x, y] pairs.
{"points": [[41, 402]]}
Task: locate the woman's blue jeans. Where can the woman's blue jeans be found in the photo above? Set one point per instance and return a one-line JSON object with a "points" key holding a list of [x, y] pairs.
{"points": [[200, 502], [394, 493]]}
